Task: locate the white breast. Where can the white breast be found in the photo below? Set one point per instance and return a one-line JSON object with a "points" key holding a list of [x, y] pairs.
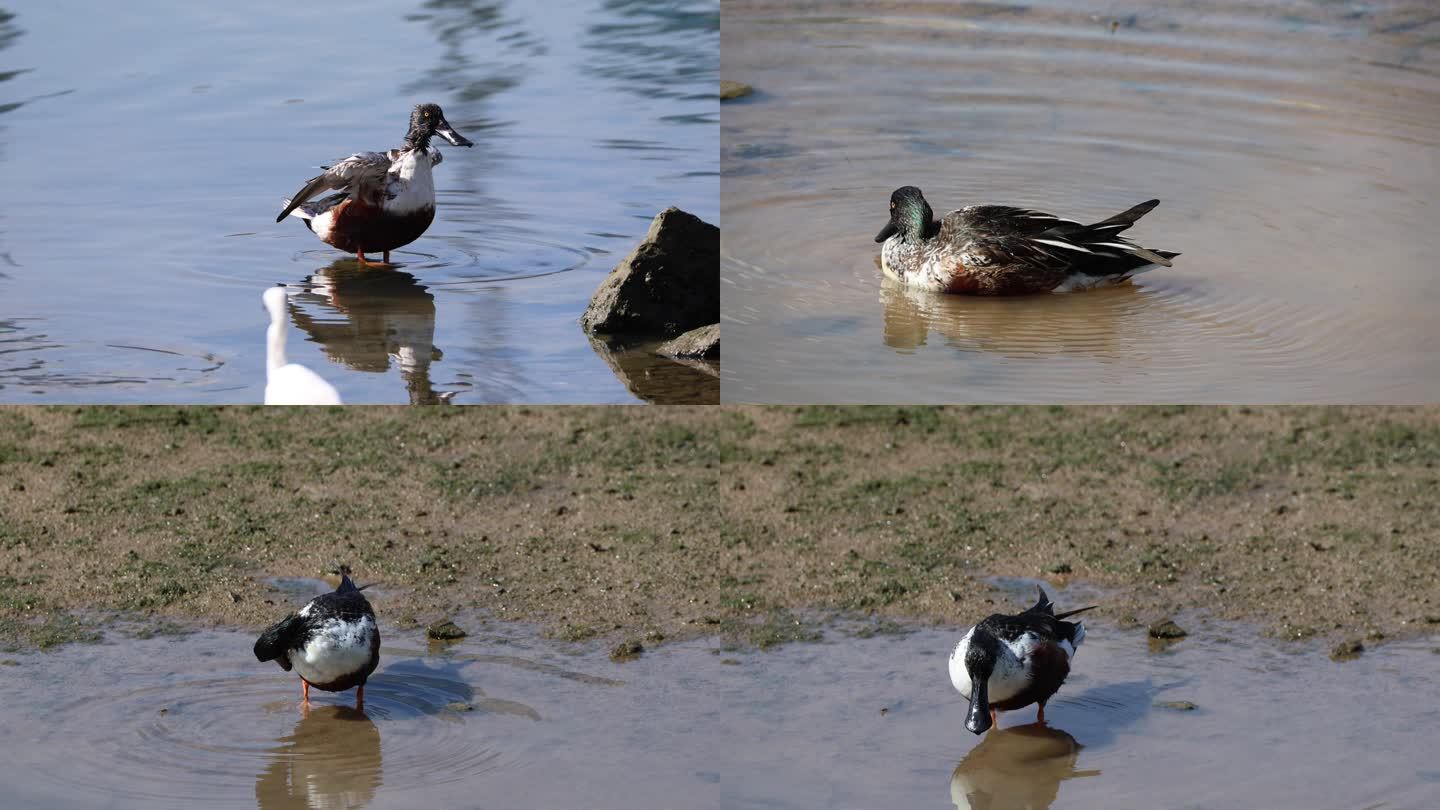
{"points": [[1008, 678], [340, 648], [410, 184]]}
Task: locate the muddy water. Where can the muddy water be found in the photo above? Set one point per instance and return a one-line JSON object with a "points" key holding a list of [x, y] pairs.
{"points": [[504, 719], [147, 155], [1295, 147]]}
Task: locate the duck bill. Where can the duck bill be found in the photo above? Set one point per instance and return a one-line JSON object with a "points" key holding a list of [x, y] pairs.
{"points": [[888, 231], [977, 720], [447, 132]]}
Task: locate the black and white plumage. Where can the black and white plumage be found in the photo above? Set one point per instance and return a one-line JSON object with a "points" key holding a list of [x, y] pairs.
{"points": [[1009, 662], [386, 200], [1004, 250], [333, 643]]}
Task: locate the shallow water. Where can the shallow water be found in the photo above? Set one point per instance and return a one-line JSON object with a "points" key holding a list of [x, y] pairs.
{"points": [[504, 719], [1295, 147], [147, 154]]}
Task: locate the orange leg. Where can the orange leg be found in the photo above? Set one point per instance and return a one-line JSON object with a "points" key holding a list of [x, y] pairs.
{"points": [[305, 689], [387, 257], [1040, 717], [360, 257], [994, 719], [360, 697]]}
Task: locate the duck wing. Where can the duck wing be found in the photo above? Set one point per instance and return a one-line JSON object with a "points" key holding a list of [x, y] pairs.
{"points": [[1003, 220], [362, 175]]}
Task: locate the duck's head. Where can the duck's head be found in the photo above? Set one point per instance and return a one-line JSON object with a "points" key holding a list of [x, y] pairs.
{"points": [[980, 658], [910, 215], [427, 121]]}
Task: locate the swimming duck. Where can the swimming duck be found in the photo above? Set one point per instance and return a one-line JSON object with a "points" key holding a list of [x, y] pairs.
{"points": [[386, 200], [333, 643], [289, 383], [1001, 250], [1008, 662]]}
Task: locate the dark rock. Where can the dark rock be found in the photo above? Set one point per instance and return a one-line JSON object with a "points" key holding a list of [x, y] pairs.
{"points": [[697, 343], [444, 630], [626, 651], [1166, 629], [730, 91], [1347, 650], [669, 284], [1177, 705]]}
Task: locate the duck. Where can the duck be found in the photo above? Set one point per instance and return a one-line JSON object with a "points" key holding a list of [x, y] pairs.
{"points": [[1004, 250], [1009, 662], [289, 383], [385, 200], [333, 643]]}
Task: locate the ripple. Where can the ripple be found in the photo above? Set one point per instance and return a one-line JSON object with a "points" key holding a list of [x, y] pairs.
{"points": [[191, 738], [1272, 135]]}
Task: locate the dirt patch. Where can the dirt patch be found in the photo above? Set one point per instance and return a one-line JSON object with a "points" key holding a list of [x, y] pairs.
{"points": [[667, 523]]}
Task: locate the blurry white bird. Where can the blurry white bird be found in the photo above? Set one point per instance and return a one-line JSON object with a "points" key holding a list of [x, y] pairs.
{"points": [[289, 383]]}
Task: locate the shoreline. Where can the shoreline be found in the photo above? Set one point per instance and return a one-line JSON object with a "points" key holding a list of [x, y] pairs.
{"points": [[654, 524]]}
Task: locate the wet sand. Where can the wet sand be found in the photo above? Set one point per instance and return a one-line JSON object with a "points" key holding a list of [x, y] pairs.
{"points": [[746, 522], [507, 719]]}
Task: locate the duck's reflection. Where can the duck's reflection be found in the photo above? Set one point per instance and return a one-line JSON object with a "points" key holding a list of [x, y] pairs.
{"points": [[1092, 324], [1019, 767], [330, 760], [363, 318]]}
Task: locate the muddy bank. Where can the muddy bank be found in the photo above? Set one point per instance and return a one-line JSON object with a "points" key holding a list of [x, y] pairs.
{"points": [[675, 522]]}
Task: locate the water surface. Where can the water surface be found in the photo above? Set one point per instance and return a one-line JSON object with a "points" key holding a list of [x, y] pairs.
{"points": [[505, 719], [147, 154], [1295, 147]]}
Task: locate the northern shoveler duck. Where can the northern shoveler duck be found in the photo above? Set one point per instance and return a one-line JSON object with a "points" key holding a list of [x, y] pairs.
{"points": [[1008, 662], [333, 643], [1000, 250], [386, 200], [289, 383]]}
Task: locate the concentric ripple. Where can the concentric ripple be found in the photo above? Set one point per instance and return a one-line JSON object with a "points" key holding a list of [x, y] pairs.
{"points": [[192, 738], [1275, 134]]}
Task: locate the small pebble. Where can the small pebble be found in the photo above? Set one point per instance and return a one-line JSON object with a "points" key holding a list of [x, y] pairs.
{"points": [[444, 630], [1167, 629], [732, 90], [626, 650], [1347, 650]]}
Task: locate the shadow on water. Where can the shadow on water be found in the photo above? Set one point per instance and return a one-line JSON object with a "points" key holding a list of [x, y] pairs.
{"points": [[1019, 768]]}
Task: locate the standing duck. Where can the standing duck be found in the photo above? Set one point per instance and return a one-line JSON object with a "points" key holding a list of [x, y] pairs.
{"points": [[1000, 250], [333, 643], [1008, 662], [386, 200]]}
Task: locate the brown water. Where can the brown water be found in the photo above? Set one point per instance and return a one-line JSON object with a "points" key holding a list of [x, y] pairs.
{"points": [[1295, 147], [505, 719]]}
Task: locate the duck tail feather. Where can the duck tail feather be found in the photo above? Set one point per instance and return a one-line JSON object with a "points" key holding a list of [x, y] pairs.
{"points": [[1067, 614], [1126, 218]]}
